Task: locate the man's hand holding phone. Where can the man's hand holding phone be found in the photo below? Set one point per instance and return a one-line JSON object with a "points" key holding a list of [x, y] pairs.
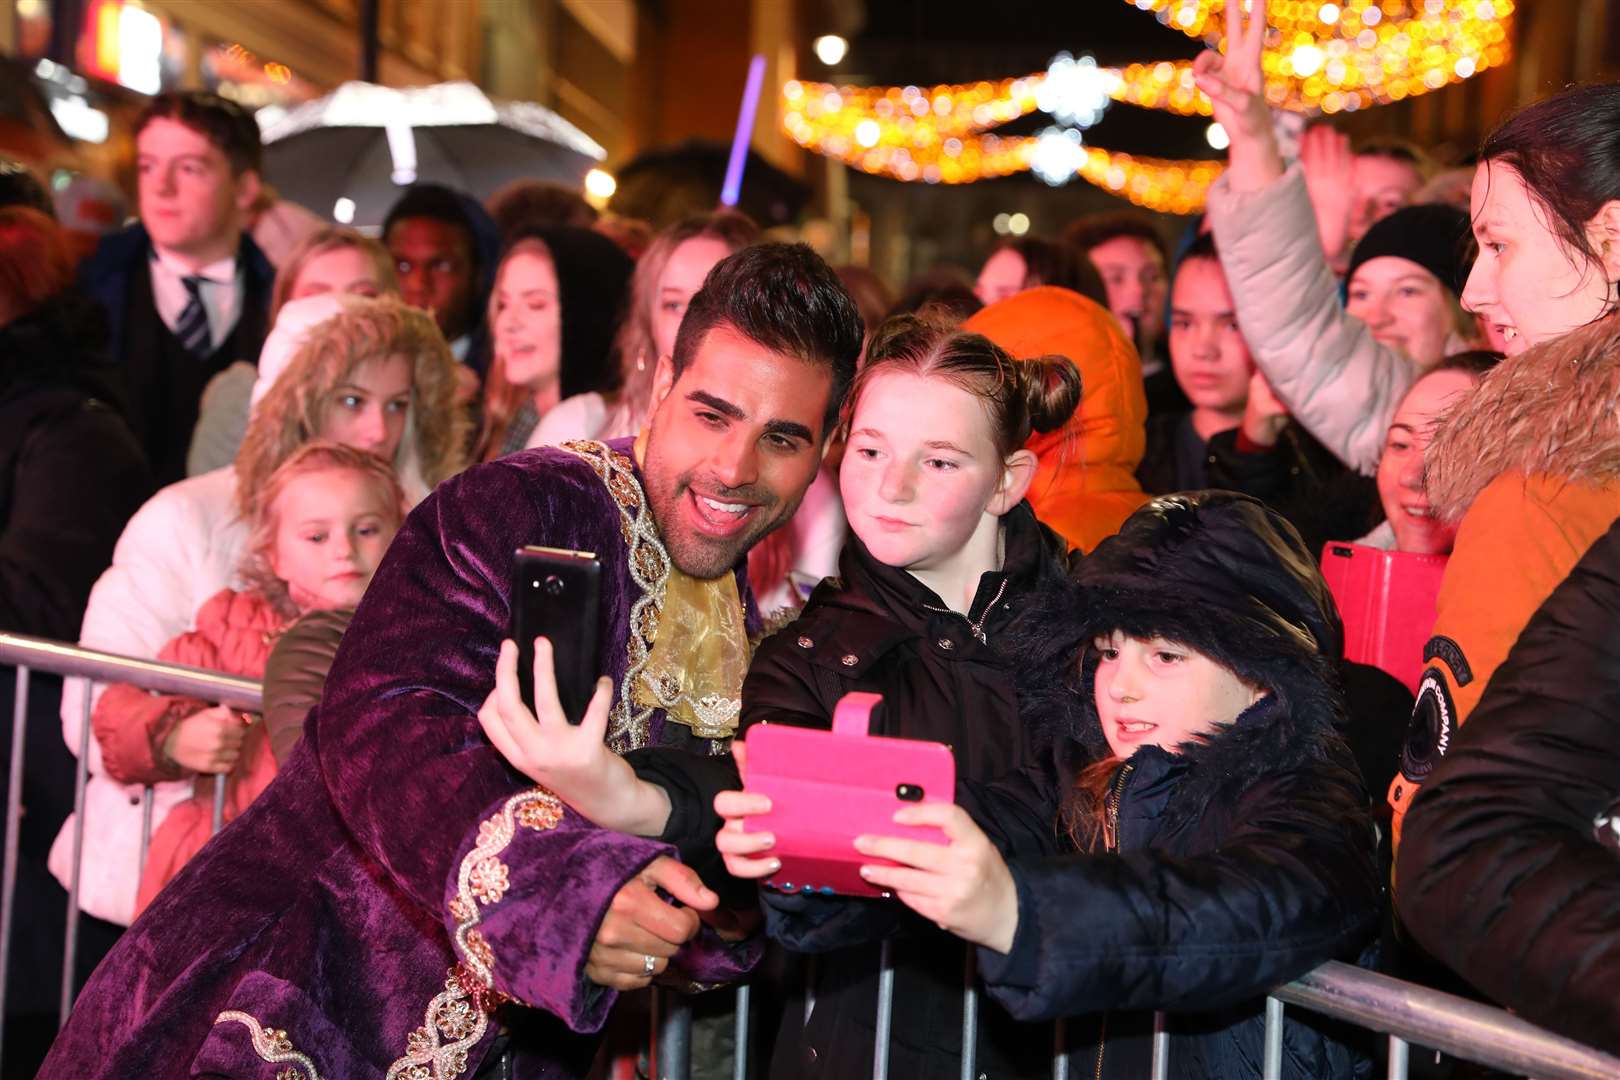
{"points": [[571, 760]]}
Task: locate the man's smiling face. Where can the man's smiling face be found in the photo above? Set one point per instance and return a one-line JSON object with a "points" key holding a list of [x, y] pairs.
{"points": [[734, 442]]}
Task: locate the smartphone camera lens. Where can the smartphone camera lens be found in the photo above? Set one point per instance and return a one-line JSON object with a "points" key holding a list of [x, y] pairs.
{"points": [[908, 793], [554, 585]]}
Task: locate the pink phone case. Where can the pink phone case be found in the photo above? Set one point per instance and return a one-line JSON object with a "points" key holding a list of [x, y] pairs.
{"points": [[828, 787], [1388, 601]]}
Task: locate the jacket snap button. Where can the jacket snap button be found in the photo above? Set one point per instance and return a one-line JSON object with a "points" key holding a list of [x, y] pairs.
{"points": [[850, 660], [806, 643], [946, 643]]}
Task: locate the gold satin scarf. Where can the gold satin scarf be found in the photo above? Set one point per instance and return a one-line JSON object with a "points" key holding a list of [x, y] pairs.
{"points": [[700, 651]]}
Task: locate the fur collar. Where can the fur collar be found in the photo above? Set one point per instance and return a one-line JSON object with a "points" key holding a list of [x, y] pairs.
{"points": [[1553, 410]]}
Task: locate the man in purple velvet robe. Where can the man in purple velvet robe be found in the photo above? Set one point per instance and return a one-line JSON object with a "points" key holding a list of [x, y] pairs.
{"points": [[400, 899]]}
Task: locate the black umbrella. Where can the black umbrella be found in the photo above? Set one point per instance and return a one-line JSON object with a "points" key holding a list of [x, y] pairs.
{"points": [[365, 143], [666, 183]]}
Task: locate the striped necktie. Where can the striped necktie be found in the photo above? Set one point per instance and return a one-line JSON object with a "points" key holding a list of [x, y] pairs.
{"points": [[192, 329]]}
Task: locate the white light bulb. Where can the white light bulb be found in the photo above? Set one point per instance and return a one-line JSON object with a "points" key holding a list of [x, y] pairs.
{"points": [[830, 49]]}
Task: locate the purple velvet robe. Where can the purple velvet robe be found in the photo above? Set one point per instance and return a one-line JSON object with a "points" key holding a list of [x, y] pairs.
{"points": [[398, 880]]}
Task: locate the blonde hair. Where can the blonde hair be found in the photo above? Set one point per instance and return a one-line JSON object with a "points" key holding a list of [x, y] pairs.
{"points": [[433, 446], [635, 343], [264, 521], [330, 238]]}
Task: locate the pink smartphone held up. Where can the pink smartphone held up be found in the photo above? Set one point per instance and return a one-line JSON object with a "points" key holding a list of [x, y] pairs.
{"points": [[828, 787]]}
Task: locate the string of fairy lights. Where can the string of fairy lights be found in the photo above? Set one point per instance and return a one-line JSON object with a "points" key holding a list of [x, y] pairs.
{"points": [[1320, 58]]}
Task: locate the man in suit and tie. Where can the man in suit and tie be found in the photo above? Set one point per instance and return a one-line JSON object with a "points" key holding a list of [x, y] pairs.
{"points": [[186, 291]]}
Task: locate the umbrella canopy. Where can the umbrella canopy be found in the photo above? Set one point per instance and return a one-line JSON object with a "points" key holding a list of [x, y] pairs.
{"points": [[366, 143]]}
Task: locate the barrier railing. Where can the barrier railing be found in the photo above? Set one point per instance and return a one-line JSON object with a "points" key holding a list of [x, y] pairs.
{"points": [[1406, 1013], [30, 654]]}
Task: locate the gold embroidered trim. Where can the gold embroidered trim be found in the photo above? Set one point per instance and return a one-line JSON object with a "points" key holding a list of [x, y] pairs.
{"points": [[273, 1046], [458, 1017], [628, 728]]}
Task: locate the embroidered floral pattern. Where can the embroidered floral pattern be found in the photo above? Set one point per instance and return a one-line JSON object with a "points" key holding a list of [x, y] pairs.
{"points": [[458, 1017], [273, 1045], [628, 728], [489, 880]]}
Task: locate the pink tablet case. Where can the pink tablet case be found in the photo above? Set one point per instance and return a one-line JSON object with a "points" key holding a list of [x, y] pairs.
{"points": [[1388, 601], [828, 787]]}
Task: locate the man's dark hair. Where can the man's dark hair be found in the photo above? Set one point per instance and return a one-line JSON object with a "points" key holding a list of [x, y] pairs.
{"points": [[433, 201], [1203, 247], [782, 297], [1098, 229], [223, 122], [537, 204]]}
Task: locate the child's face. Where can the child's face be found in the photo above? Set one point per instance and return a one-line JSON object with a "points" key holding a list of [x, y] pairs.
{"points": [[1161, 693], [332, 528], [920, 470]]}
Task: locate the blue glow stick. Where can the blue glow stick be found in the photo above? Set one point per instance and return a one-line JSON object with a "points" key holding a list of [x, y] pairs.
{"points": [[745, 129]]}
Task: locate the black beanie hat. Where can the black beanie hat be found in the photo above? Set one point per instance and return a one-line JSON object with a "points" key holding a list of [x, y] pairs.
{"points": [[1433, 235]]}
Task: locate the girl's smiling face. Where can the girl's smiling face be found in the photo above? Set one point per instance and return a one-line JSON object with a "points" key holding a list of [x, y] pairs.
{"points": [[920, 470], [1162, 693]]}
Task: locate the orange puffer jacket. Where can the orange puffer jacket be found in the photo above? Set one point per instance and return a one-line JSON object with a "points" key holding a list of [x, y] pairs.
{"points": [[1530, 464], [1085, 484], [234, 633]]}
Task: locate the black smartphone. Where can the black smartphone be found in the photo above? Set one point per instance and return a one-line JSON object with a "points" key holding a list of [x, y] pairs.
{"points": [[556, 595]]}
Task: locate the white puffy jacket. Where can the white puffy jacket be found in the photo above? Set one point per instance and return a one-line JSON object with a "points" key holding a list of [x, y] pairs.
{"points": [[1323, 363], [179, 549]]}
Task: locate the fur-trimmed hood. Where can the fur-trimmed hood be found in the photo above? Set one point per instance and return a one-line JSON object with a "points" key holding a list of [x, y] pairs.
{"points": [[1216, 571], [1553, 410]]}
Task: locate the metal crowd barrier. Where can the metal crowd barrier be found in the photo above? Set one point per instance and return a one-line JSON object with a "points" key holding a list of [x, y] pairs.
{"points": [[30, 654], [1406, 1013]]}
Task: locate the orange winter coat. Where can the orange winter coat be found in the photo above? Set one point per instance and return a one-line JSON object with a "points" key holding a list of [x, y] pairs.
{"points": [[234, 633], [1530, 464], [1085, 484]]}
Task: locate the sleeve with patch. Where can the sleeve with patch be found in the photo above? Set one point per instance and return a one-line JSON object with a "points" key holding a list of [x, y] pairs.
{"points": [[1520, 538]]}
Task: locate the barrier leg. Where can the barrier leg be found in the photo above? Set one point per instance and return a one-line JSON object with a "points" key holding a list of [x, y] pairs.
{"points": [[1160, 1066], [739, 1060], [1399, 1050], [1060, 1050], [672, 1035], [970, 1014], [70, 948], [885, 1012], [1272, 1067], [219, 804], [8, 883], [147, 799]]}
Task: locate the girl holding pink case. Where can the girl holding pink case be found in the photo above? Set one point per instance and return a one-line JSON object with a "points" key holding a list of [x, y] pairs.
{"points": [[944, 559]]}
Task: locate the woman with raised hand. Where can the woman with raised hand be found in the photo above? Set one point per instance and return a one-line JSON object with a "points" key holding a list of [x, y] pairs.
{"points": [[1340, 368]]}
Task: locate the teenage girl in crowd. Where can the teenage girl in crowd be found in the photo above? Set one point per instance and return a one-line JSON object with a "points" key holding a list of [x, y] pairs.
{"points": [[1529, 463], [1221, 840], [372, 374], [319, 527], [667, 274], [1340, 367], [332, 259], [943, 559], [559, 293]]}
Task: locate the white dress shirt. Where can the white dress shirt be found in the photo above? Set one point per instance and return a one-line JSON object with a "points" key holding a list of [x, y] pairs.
{"points": [[221, 292]]}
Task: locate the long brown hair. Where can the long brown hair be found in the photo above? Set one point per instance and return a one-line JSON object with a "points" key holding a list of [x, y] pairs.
{"points": [[1085, 812], [291, 412]]}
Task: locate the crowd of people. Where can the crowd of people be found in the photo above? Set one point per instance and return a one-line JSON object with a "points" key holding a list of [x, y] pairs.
{"points": [[1066, 518]]}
